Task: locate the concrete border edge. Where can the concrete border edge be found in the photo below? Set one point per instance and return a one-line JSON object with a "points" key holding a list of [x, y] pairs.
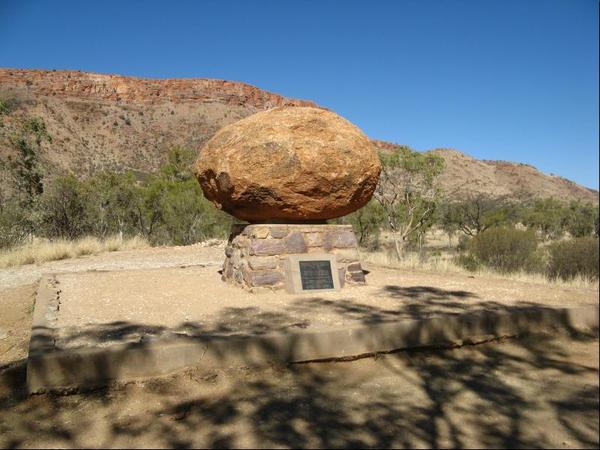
{"points": [[51, 369]]}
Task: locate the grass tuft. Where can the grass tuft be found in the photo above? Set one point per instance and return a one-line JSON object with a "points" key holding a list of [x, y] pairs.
{"points": [[445, 263], [43, 250]]}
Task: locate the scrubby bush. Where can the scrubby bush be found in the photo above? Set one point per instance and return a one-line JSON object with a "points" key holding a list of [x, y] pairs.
{"points": [[468, 262], [367, 223], [175, 199], [65, 209], [477, 213], [580, 219], [111, 208], [26, 168], [9, 103], [14, 224], [545, 215], [185, 216], [572, 258], [506, 250], [463, 243], [4, 109], [166, 207]]}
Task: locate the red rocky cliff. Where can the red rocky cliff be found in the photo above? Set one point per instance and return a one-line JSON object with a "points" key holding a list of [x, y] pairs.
{"points": [[66, 83]]}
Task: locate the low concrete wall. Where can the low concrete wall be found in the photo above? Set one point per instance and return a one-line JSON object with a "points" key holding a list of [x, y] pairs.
{"points": [[54, 369]]}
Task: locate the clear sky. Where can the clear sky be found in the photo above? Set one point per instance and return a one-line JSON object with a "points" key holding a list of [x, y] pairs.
{"points": [[508, 79]]}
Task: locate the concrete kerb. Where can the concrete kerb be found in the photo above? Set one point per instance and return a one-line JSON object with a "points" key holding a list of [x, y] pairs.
{"points": [[52, 369], [43, 331]]}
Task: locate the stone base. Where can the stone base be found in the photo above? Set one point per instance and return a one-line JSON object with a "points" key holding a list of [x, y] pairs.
{"points": [[256, 254]]}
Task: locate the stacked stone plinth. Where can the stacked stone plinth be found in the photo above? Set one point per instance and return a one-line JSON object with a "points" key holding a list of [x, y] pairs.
{"points": [[256, 254], [286, 170]]}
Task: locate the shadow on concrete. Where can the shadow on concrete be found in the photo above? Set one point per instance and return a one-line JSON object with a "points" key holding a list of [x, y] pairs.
{"points": [[464, 396]]}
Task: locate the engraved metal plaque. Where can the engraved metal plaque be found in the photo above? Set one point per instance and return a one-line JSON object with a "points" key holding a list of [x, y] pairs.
{"points": [[316, 275], [317, 272]]}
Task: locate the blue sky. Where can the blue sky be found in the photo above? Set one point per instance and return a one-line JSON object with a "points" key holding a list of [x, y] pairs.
{"points": [[513, 80]]}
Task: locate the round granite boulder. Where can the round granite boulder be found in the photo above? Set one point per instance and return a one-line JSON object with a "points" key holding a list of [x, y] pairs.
{"points": [[293, 164]]}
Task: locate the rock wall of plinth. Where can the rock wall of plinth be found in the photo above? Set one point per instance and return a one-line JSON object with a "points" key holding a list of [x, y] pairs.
{"points": [[256, 254]]}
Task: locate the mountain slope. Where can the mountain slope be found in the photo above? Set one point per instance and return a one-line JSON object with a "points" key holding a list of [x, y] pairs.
{"points": [[466, 175], [107, 122]]}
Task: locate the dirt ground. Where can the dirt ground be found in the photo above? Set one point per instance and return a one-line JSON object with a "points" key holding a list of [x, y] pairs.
{"points": [[536, 392], [106, 307], [16, 308]]}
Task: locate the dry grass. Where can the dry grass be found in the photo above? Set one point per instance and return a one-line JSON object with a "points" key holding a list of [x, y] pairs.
{"points": [[446, 264], [43, 250]]}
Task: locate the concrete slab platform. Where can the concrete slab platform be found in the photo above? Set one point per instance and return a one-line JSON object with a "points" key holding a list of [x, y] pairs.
{"points": [[93, 328]]}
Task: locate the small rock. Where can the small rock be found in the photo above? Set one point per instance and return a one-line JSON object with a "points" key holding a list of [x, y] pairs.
{"points": [[294, 243], [357, 277], [354, 267], [279, 231], [266, 247], [262, 262], [313, 239], [266, 278]]}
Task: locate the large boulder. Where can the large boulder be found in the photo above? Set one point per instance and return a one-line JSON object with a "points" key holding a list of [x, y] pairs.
{"points": [[294, 164]]}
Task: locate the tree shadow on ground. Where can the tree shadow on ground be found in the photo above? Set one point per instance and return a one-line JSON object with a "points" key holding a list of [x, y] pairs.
{"points": [[495, 395], [492, 395], [413, 303]]}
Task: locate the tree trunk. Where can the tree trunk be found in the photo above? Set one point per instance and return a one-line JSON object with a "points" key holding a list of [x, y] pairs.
{"points": [[397, 245]]}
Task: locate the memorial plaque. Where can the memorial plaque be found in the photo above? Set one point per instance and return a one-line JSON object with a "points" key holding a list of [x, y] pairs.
{"points": [[316, 275], [311, 273]]}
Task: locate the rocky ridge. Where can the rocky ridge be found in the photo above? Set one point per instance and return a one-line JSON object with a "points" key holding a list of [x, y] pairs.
{"points": [[109, 122], [117, 88]]}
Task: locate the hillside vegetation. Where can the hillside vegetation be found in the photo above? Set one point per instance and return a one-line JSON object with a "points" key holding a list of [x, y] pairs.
{"points": [[94, 155], [114, 123]]}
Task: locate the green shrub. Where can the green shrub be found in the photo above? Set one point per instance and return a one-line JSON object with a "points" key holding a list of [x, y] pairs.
{"points": [[580, 219], [367, 223], [547, 216], [14, 224], [8, 105], [166, 207], [463, 243], [4, 109], [186, 216], [468, 262], [506, 250], [576, 257], [64, 208]]}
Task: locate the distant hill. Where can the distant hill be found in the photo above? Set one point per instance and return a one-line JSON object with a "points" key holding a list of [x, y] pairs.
{"points": [[108, 122], [465, 176], [506, 179]]}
